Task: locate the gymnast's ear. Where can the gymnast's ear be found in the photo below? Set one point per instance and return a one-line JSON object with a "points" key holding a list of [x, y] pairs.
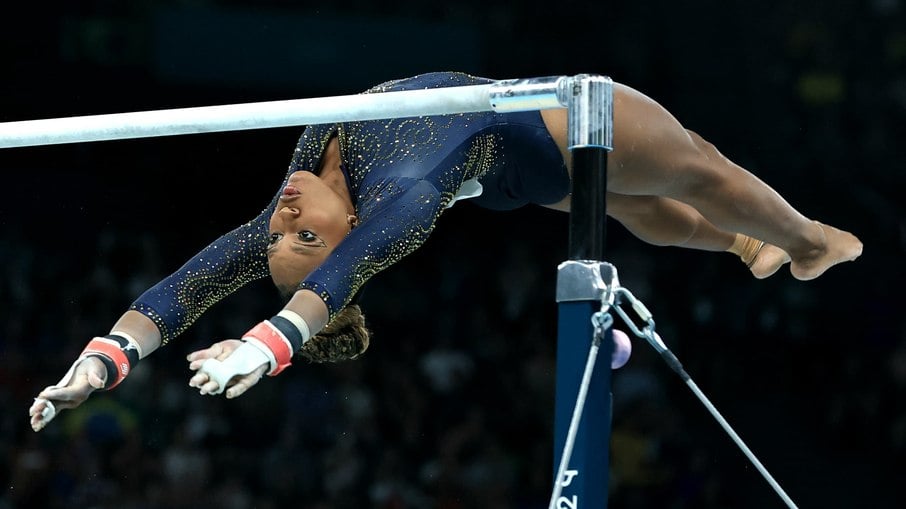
{"points": [[352, 220]]}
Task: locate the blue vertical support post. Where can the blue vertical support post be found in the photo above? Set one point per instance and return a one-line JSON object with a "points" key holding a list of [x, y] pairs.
{"points": [[580, 284]]}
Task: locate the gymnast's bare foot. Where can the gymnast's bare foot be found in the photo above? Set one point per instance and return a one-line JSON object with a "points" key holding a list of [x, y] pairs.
{"points": [[768, 261], [836, 246]]}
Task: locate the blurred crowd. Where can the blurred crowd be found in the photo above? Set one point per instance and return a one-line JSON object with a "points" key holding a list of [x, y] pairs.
{"points": [[452, 406]]}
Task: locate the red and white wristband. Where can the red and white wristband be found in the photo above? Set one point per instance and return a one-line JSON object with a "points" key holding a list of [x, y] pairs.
{"points": [[279, 339], [119, 352]]}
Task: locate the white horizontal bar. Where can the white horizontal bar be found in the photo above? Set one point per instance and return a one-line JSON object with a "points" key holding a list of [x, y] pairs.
{"points": [[297, 112]]}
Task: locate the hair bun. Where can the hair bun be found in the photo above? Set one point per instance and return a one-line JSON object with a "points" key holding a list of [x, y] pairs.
{"points": [[344, 338]]}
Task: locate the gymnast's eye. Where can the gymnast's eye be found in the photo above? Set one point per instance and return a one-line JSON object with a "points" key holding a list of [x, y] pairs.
{"points": [[307, 236], [273, 239]]}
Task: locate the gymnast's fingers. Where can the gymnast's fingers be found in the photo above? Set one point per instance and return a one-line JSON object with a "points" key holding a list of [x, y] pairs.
{"points": [[88, 375], [246, 359], [197, 358], [198, 379], [41, 412], [210, 387], [244, 383], [216, 377], [220, 351]]}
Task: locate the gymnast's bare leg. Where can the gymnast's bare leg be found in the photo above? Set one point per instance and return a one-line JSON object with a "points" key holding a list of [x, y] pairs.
{"points": [[655, 156], [667, 222]]}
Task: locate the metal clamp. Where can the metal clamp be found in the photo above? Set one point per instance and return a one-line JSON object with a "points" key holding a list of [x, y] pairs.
{"points": [[642, 313], [601, 321], [588, 98], [583, 280], [590, 111]]}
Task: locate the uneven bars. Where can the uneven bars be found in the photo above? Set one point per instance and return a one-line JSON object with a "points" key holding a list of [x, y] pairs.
{"points": [[500, 96]]}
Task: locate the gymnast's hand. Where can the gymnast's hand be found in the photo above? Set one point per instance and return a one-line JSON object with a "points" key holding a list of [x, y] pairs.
{"points": [[232, 364], [87, 376]]}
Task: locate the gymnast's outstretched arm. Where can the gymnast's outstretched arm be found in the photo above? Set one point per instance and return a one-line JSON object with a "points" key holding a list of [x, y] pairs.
{"points": [[160, 314], [395, 227]]}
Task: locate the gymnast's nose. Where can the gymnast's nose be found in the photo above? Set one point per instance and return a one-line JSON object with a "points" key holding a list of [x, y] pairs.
{"points": [[289, 212]]}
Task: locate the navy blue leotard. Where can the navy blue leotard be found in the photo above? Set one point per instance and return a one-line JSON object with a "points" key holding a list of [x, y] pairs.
{"points": [[402, 174]]}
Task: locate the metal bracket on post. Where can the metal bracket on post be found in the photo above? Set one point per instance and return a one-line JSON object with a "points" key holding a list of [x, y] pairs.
{"points": [[583, 280], [584, 289]]}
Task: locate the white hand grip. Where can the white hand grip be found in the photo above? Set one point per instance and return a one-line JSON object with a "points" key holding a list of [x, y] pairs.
{"points": [[242, 361]]}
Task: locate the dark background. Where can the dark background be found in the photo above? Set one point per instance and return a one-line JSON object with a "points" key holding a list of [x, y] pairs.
{"points": [[452, 405]]}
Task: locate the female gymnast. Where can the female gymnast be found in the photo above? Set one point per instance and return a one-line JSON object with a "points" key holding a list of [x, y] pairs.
{"points": [[360, 196]]}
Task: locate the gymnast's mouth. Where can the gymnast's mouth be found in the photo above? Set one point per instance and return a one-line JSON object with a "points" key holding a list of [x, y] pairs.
{"points": [[289, 192]]}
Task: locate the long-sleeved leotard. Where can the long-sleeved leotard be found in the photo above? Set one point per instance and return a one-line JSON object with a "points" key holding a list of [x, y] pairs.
{"points": [[401, 174]]}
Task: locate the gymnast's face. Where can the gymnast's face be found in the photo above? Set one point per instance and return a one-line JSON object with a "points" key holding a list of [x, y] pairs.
{"points": [[311, 219]]}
